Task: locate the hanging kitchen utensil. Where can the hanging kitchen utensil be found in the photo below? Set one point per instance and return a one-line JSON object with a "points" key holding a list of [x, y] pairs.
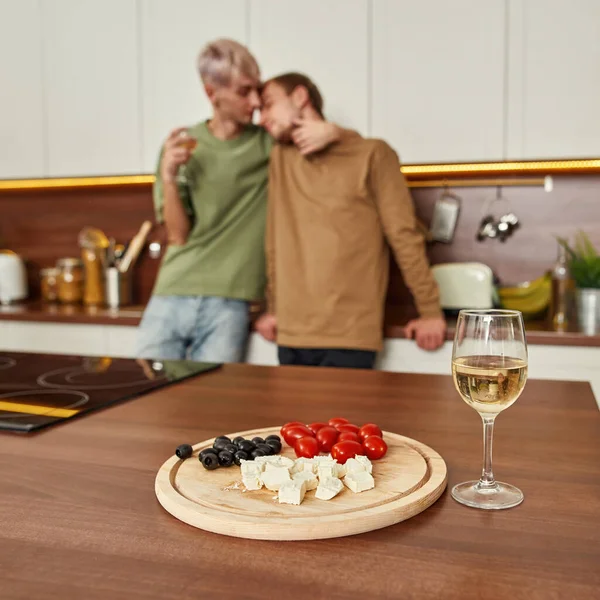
{"points": [[492, 226], [445, 217]]}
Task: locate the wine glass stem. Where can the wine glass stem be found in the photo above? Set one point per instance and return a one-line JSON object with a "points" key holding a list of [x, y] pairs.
{"points": [[487, 475]]}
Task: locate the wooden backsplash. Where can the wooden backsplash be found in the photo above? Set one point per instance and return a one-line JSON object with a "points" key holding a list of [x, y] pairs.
{"points": [[42, 226]]}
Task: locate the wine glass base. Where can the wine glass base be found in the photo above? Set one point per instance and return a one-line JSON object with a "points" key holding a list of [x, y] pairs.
{"points": [[501, 495]]}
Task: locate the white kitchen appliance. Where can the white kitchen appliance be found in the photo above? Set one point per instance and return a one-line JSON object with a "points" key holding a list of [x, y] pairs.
{"points": [[13, 277], [464, 285]]}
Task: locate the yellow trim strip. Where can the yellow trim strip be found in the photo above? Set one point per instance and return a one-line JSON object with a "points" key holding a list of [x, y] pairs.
{"points": [[524, 167], [34, 409], [541, 167], [75, 182]]}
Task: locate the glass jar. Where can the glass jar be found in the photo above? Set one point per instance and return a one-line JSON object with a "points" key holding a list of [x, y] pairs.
{"points": [[49, 284], [70, 280]]}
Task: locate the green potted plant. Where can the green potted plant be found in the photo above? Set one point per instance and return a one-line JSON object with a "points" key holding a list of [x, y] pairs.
{"points": [[584, 266]]}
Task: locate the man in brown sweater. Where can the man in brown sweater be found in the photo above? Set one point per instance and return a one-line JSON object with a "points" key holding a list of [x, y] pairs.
{"points": [[332, 218]]}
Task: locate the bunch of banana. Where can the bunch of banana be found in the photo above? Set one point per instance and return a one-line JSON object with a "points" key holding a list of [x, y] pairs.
{"points": [[531, 297]]}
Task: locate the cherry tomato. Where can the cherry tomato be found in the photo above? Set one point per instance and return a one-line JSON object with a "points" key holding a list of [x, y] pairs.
{"points": [[327, 437], [288, 425], [374, 447], [348, 436], [337, 421], [348, 427], [342, 451], [295, 433], [369, 429], [306, 447], [314, 427]]}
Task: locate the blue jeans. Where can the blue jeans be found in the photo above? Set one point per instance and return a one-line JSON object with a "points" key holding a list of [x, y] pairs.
{"points": [[200, 328]]}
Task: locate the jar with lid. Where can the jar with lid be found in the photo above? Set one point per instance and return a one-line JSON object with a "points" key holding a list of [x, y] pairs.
{"points": [[70, 280], [49, 284]]}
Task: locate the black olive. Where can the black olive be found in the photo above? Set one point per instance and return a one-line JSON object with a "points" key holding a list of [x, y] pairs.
{"points": [[208, 451], [231, 448], [239, 456], [247, 446], [275, 445], [184, 451], [256, 453], [221, 445], [238, 439], [257, 440], [210, 461], [224, 438], [265, 448], [225, 458], [273, 437]]}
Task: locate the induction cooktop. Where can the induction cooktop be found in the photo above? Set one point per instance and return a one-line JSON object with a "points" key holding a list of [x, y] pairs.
{"points": [[40, 390]]}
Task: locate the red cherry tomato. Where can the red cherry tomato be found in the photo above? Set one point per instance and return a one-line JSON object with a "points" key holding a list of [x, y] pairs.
{"points": [[314, 427], [369, 429], [348, 436], [342, 451], [327, 437], [306, 447], [348, 427], [374, 447], [337, 421], [288, 425], [295, 433]]}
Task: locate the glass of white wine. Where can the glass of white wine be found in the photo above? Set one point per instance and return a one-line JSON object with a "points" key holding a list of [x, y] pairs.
{"points": [[489, 367]]}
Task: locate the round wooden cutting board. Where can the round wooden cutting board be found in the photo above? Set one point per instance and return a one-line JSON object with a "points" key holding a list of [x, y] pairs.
{"points": [[409, 479]]}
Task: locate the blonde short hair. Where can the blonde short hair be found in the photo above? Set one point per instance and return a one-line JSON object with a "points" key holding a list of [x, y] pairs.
{"points": [[222, 59]]}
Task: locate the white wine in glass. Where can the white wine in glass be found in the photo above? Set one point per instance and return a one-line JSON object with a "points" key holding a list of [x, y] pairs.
{"points": [[489, 367]]}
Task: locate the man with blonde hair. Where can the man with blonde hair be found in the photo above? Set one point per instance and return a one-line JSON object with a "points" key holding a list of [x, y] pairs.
{"points": [[329, 225], [210, 193]]}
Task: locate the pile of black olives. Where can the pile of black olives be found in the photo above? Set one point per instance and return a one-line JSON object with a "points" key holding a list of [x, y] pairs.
{"points": [[226, 452]]}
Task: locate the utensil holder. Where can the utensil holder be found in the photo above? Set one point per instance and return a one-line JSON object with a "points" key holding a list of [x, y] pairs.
{"points": [[118, 288]]}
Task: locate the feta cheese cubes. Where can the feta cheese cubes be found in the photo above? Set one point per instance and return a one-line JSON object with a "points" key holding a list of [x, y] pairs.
{"points": [[292, 479], [292, 492], [328, 488], [308, 477], [359, 481], [273, 478]]}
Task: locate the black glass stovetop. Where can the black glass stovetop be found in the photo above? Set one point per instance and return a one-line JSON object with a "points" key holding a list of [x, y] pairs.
{"points": [[40, 390]]}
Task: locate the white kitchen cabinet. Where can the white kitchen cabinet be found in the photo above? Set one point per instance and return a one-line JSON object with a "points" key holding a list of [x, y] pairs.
{"points": [[22, 141], [438, 78], [91, 87], [574, 363], [554, 79], [173, 33], [326, 40], [53, 338]]}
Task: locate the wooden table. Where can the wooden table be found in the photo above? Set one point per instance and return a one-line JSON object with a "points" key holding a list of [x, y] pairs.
{"points": [[79, 519]]}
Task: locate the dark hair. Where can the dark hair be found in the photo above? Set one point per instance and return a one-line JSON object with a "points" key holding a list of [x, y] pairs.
{"points": [[290, 81]]}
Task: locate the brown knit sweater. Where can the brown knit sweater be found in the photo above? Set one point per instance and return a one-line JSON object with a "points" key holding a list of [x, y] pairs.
{"points": [[331, 217]]}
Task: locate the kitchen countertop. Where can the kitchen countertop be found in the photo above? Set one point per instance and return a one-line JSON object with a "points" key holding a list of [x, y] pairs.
{"points": [[537, 331], [79, 518]]}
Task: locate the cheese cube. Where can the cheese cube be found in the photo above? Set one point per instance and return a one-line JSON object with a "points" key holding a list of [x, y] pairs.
{"points": [[274, 461], [363, 460], [273, 478], [309, 478], [251, 468], [304, 464], [291, 492], [252, 482], [359, 482], [327, 468], [353, 465], [329, 488]]}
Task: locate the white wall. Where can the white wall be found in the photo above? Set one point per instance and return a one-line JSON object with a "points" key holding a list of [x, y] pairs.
{"points": [[92, 87]]}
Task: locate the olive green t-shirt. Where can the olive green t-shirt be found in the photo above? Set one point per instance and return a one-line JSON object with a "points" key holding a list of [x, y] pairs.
{"points": [[223, 188]]}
